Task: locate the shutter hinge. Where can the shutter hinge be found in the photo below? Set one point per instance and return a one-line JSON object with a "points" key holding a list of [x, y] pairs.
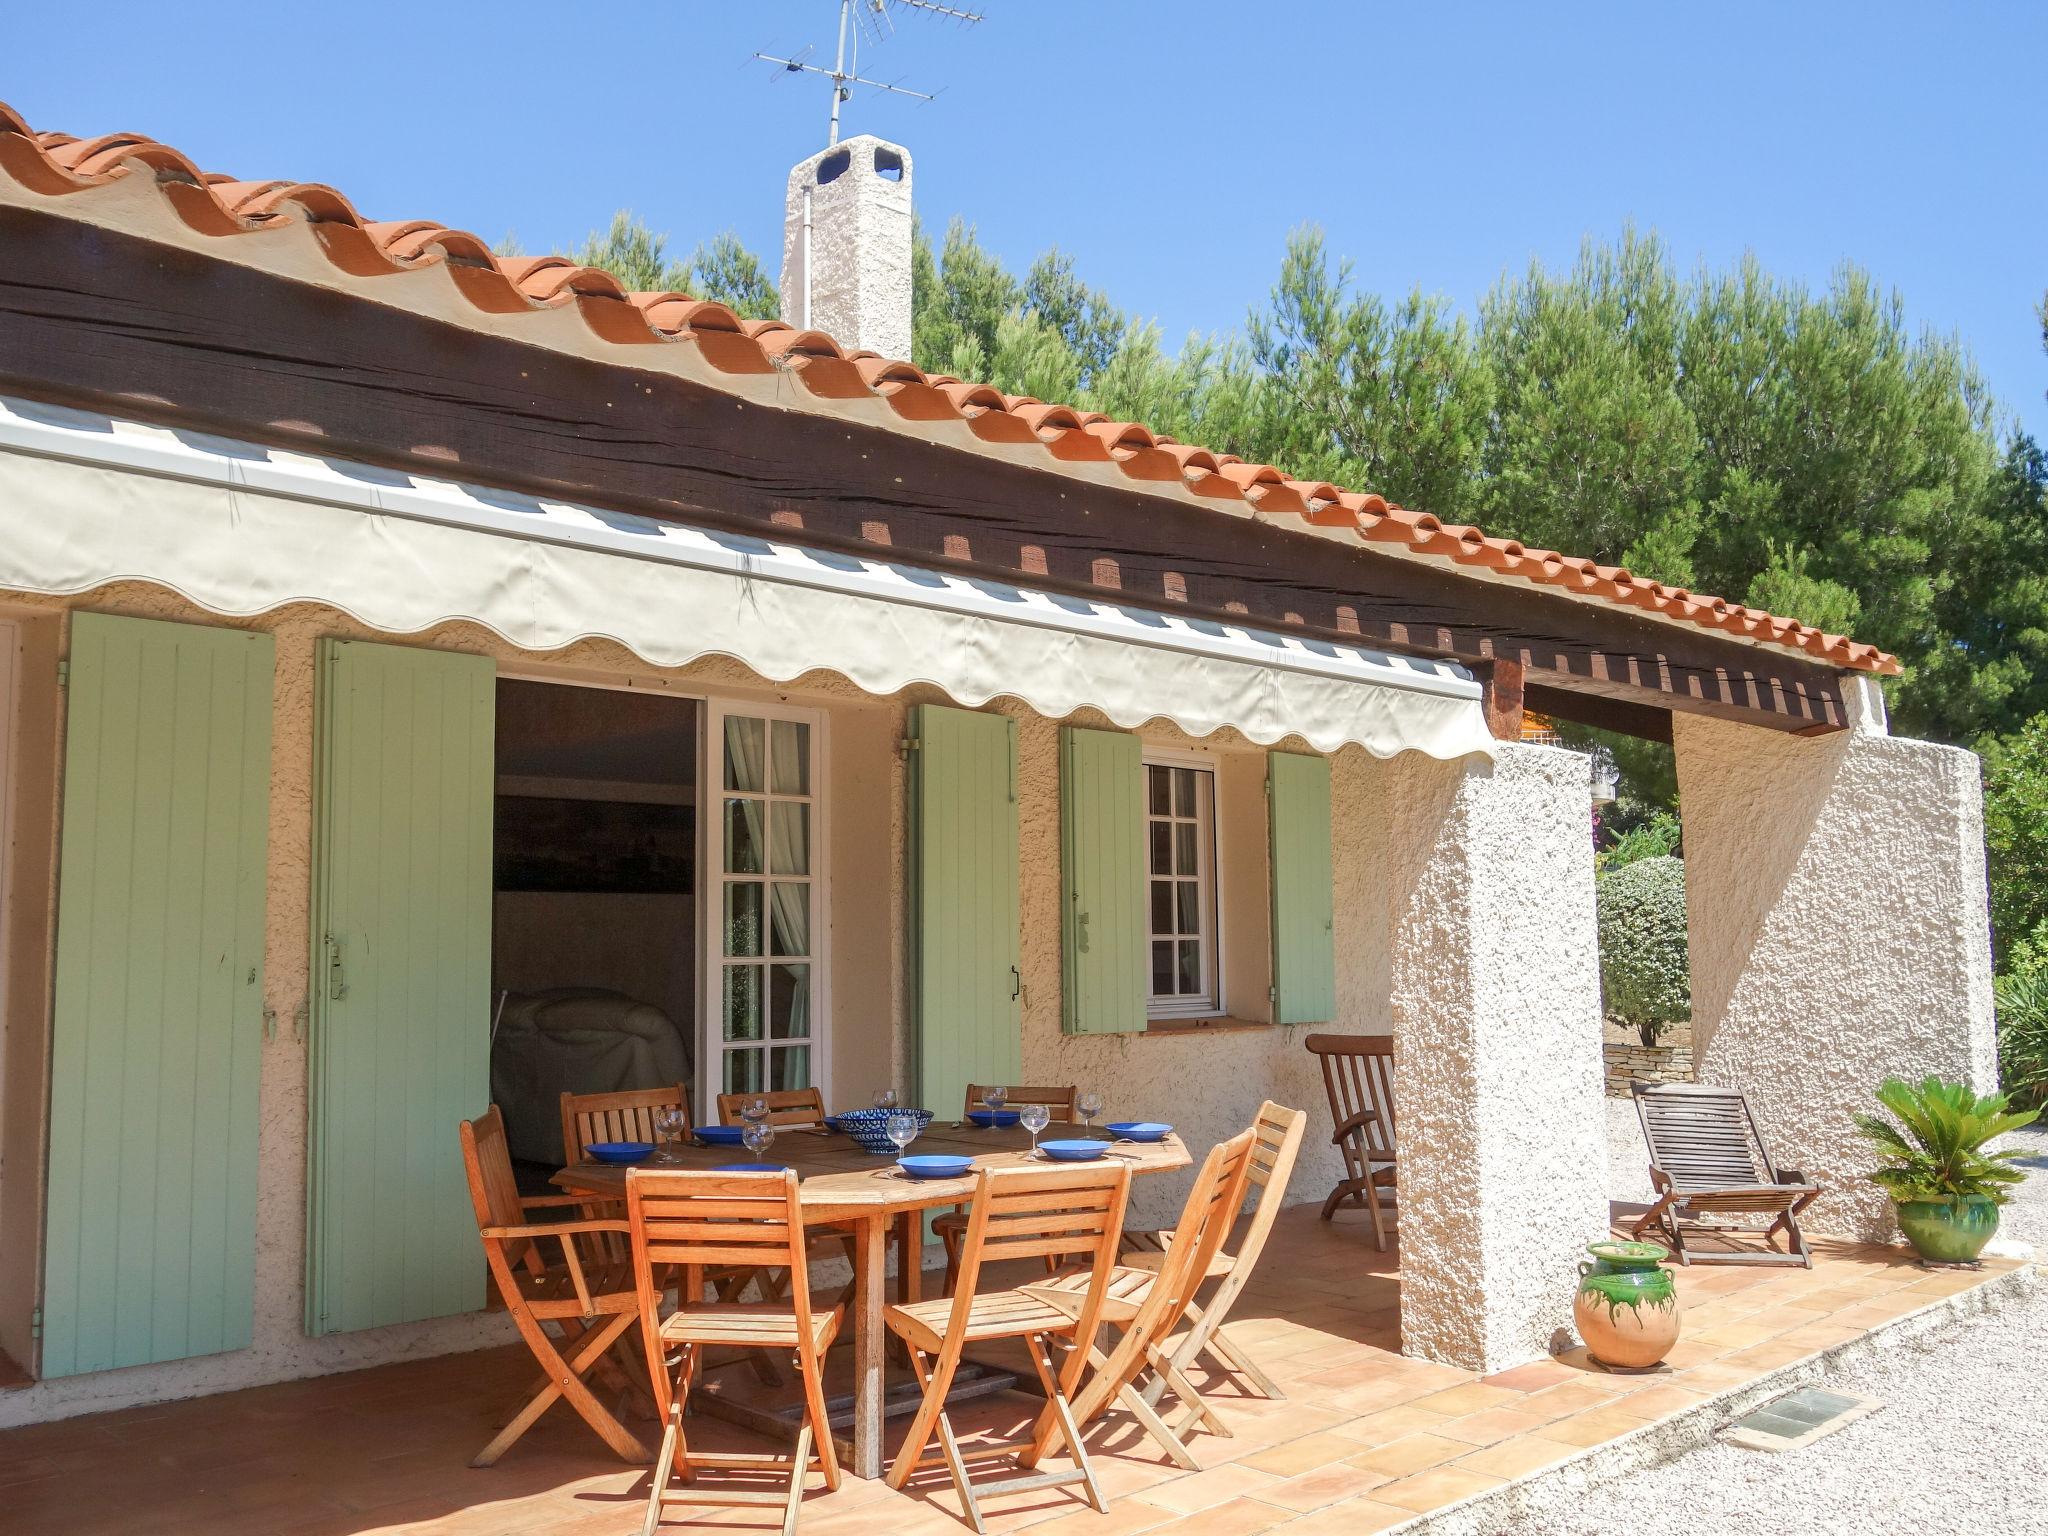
{"points": [[337, 981], [35, 1323], [64, 673], [909, 744], [1272, 994]]}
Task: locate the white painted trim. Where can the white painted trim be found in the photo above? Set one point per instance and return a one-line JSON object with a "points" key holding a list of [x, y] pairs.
{"points": [[1209, 871], [711, 893], [10, 732]]}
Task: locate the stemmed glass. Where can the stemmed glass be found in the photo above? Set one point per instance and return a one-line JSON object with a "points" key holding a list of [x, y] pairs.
{"points": [[757, 1137], [1088, 1104], [669, 1121], [1033, 1117], [885, 1098], [902, 1128], [995, 1098]]}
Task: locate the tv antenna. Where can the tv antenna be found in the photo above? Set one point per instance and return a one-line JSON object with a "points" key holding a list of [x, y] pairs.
{"points": [[872, 22]]}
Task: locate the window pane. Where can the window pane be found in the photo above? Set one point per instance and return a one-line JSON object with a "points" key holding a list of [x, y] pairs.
{"points": [[789, 838], [789, 764], [1190, 967], [742, 1071], [1158, 791], [790, 918], [792, 1067], [1188, 909], [742, 918], [1162, 969], [743, 749], [1184, 848], [1183, 791], [743, 1002], [789, 1002], [1162, 848], [1162, 906], [743, 837]]}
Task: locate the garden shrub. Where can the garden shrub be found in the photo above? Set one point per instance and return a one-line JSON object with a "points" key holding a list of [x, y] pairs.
{"points": [[1644, 971], [2023, 1032]]}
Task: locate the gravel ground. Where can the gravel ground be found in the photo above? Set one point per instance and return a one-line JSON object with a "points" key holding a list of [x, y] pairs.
{"points": [[1961, 1445]]}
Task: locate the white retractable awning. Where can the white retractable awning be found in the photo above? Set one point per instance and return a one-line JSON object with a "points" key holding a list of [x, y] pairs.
{"points": [[241, 529]]}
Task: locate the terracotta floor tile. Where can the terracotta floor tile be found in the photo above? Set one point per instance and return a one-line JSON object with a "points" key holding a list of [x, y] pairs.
{"points": [[1768, 1357], [1436, 1488], [1472, 1397], [1593, 1427], [1240, 1517], [1561, 1401], [1324, 1487], [1291, 1458], [1516, 1457], [1126, 1517], [1532, 1377], [1203, 1490], [1389, 1424], [1494, 1425], [1354, 1517], [1410, 1453], [1661, 1401], [1736, 1335]]}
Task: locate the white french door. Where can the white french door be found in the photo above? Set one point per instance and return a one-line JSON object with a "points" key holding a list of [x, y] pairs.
{"points": [[764, 841]]}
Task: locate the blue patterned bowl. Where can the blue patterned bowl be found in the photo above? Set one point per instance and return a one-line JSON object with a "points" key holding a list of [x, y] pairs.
{"points": [[619, 1151], [870, 1127]]}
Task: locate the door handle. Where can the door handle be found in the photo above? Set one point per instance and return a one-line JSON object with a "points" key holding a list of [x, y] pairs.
{"points": [[1016, 983]]}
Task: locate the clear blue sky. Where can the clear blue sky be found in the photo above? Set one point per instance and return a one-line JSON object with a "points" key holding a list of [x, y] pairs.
{"points": [[1169, 148]]}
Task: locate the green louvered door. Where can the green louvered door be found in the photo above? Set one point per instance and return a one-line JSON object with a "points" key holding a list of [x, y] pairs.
{"points": [[963, 919], [1304, 936], [1104, 941], [150, 1241], [401, 982]]}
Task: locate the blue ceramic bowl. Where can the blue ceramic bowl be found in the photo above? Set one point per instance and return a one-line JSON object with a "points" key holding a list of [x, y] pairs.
{"points": [[1001, 1117], [935, 1167], [1073, 1151], [1140, 1130], [870, 1127], [719, 1135], [619, 1151]]}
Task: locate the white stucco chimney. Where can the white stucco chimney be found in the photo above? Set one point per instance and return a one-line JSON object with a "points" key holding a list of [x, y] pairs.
{"points": [[846, 245]]}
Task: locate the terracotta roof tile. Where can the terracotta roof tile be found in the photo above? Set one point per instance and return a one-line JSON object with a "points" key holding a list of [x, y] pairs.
{"points": [[56, 164]]}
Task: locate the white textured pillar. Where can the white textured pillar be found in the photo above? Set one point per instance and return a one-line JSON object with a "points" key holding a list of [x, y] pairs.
{"points": [[1496, 1007], [1840, 933]]}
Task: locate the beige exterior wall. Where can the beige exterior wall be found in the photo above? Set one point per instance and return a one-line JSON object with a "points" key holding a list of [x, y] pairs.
{"points": [[1207, 1079]]}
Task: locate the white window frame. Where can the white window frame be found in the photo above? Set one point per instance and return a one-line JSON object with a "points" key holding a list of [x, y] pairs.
{"points": [[10, 700], [711, 1044], [1209, 871]]}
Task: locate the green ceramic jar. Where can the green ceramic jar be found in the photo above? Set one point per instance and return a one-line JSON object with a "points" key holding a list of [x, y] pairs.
{"points": [[1627, 1307], [1946, 1232]]}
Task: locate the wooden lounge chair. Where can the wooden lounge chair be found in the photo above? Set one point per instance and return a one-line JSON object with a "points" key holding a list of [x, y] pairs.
{"points": [[949, 1226], [1706, 1159], [1018, 1213], [1149, 1304], [587, 1299], [705, 1221], [1358, 1075], [1277, 1133]]}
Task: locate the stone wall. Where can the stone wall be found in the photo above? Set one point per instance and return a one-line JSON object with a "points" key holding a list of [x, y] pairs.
{"points": [[1629, 1060]]}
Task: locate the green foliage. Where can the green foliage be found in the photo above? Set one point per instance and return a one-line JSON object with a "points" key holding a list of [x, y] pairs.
{"points": [[2016, 835], [1655, 837], [1936, 1148], [1644, 970], [2023, 1033], [721, 268]]}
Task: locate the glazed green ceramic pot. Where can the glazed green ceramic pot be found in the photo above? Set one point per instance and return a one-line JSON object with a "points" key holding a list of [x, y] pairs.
{"points": [[1948, 1232], [1627, 1308]]}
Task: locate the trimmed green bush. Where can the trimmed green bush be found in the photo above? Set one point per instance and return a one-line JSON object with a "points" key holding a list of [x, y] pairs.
{"points": [[2023, 1034], [1644, 970]]}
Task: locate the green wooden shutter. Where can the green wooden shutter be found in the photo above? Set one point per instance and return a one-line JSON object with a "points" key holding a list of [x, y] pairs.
{"points": [[1103, 936], [151, 1237], [963, 899], [402, 981], [1304, 938]]}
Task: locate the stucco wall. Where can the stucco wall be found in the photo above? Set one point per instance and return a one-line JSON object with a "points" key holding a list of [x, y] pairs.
{"points": [[1840, 933], [1496, 1005]]}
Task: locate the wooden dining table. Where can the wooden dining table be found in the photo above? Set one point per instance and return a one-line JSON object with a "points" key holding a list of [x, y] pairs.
{"points": [[841, 1185]]}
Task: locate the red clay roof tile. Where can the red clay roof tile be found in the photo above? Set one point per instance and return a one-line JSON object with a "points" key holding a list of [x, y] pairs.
{"points": [[55, 164]]}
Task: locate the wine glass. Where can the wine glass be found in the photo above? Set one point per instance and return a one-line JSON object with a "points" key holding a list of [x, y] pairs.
{"points": [[902, 1129], [669, 1121], [1033, 1117], [757, 1138], [995, 1098], [885, 1098], [1088, 1104], [754, 1111]]}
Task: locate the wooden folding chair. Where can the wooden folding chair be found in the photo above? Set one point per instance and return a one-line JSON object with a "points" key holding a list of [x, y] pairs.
{"points": [[788, 1108], [624, 1116], [1358, 1075], [950, 1226], [590, 1301], [1149, 1304], [1706, 1159], [1023, 1212], [1276, 1143], [700, 1221]]}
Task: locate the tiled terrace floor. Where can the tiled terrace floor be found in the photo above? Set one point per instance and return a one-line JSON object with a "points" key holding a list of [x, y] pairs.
{"points": [[1365, 1440]]}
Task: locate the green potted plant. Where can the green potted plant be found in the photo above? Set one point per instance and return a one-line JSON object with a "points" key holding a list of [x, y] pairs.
{"points": [[1947, 1187]]}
